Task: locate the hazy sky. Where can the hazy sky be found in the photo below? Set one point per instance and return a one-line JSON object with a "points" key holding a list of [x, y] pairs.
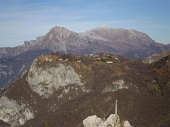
{"points": [[26, 19]]}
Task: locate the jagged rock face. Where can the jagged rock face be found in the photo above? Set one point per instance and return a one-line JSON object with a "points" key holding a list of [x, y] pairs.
{"points": [[63, 40], [111, 121], [13, 113], [93, 121], [59, 33], [44, 80]]}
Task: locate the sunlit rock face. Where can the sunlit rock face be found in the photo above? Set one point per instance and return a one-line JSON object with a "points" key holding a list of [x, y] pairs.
{"points": [[44, 80], [13, 113], [127, 124], [93, 121], [117, 85], [111, 121]]}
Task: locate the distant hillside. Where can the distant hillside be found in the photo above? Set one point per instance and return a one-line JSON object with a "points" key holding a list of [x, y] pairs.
{"points": [[62, 90], [12, 68], [156, 57]]}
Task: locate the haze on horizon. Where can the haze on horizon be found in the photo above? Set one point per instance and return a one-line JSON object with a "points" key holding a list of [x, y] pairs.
{"points": [[22, 20]]}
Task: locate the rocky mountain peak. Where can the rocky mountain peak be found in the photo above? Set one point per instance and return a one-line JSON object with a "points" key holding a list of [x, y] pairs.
{"points": [[122, 39], [59, 33], [58, 29], [122, 33], [102, 27]]}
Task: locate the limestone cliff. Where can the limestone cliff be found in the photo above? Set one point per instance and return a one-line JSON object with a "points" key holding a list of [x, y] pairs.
{"points": [[13, 113], [44, 80]]}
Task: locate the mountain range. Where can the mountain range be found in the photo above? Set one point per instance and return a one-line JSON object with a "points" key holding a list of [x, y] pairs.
{"points": [[128, 43]]}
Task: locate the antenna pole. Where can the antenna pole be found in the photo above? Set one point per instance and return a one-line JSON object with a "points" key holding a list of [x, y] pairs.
{"points": [[116, 108], [104, 117], [116, 104]]}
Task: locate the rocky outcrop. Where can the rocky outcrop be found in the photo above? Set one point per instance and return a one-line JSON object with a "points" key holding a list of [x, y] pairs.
{"points": [[111, 121], [127, 124], [117, 85], [93, 121], [13, 113], [44, 80]]}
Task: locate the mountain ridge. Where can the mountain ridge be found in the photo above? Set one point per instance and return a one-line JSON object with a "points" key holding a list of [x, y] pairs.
{"points": [[101, 39]]}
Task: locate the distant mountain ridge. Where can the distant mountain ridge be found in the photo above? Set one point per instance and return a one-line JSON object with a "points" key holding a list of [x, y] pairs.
{"points": [[129, 43], [156, 57], [12, 68]]}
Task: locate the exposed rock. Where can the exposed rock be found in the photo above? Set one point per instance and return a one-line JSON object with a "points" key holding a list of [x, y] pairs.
{"points": [[120, 84], [93, 121], [112, 121], [13, 113], [127, 124], [117, 85], [44, 80]]}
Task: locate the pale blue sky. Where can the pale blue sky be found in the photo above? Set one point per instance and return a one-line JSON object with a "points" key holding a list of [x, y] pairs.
{"points": [[26, 19]]}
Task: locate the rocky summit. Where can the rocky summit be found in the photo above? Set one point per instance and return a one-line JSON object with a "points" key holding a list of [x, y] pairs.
{"points": [[65, 90]]}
